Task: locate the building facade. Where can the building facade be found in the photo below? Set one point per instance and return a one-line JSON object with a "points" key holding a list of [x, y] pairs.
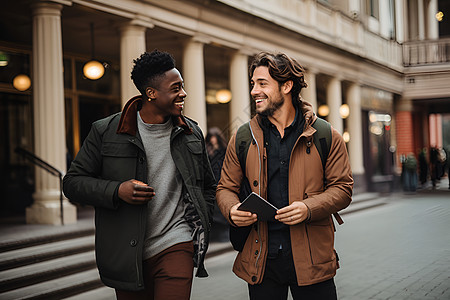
{"points": [[377, 70]]}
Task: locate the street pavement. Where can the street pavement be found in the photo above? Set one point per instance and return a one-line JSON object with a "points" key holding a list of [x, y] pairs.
{"points": [[396, 251], [400, 250]]}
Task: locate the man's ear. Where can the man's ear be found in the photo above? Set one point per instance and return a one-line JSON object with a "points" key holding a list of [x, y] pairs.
{"points": [[287, 86], [150, 93]]}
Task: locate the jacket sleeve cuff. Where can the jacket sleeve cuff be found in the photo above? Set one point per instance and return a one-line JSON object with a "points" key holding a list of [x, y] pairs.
{"points": [[116, 199], [308, 218], [231, 220]]}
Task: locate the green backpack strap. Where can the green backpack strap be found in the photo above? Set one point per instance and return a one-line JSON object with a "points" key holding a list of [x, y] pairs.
{"points": [[322, 139], [243, 140]]}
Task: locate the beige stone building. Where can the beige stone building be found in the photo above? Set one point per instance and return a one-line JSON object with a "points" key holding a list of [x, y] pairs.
{"points": [[378, 70]]}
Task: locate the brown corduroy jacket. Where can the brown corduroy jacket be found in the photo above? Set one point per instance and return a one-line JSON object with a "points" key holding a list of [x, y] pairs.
{"points": [[312, 241]]}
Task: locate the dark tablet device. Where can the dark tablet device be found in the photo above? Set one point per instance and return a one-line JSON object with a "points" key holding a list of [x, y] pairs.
{"points": [[258, 205]]}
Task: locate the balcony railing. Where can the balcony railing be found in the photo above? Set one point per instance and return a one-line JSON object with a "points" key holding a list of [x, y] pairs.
{"points": [[426, 52]]}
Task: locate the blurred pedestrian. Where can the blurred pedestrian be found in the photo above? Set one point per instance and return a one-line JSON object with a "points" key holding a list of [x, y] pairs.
{"points": [[447, 163], [216, 146], [410, 173], [434, 172], [423, 166], [147, 174], [295, 250]]}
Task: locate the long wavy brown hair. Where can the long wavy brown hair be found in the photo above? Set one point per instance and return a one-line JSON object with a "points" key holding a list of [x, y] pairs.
{"points": [[282, 68]]}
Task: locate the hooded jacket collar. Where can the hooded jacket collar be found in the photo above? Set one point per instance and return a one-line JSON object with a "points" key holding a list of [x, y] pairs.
{"points": [[128, 119]]}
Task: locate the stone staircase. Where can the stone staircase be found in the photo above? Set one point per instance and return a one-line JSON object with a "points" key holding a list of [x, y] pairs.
{"points": [[50, 262]]}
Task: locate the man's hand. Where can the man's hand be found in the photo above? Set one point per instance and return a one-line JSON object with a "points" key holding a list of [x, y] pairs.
{"points": [[242, 218], [292, 214], [135, 192]]}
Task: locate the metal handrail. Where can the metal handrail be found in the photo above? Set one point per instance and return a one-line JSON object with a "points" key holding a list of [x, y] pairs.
{"points": [[47, 167], [426, 52]]}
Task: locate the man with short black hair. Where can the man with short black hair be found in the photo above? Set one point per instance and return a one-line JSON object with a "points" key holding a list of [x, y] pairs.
{"points": [[146, 172]]}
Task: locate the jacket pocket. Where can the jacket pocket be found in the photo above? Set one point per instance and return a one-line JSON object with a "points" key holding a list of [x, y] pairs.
{"points": [[196, 152], [320, 236], [195, 147], [119, 150], [119, 161]]}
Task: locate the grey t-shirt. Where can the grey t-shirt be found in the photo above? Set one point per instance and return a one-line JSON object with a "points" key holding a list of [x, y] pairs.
{"points": [[166, 225]]}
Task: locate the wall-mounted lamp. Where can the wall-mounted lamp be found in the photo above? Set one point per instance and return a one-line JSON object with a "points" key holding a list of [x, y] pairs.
{"points": [[323, 110], [344, 111], [93, 69], [346, 136], [3, 59], [223, 96], [22, 82]]}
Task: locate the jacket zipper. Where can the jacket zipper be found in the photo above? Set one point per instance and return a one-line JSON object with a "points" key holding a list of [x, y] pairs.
{"points": [[259, 192]]}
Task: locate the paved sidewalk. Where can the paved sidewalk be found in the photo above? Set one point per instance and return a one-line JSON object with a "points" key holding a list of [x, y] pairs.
{"points": [[397, 251]]}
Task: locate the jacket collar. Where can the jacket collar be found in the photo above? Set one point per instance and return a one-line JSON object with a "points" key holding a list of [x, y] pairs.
{"points": [[128, 119]]}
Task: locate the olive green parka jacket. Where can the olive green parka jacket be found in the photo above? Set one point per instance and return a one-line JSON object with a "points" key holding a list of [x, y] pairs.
{"points": [[312, 241], [113, 153]]}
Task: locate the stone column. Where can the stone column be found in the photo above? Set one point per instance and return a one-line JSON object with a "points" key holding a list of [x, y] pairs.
{"points": [[432, 22], [194, 80], [334, 102], [421, 20], [309, 94], [400, 21], [355, 145], [132, 45], [48, 111], [385, 19], [240, 109]]}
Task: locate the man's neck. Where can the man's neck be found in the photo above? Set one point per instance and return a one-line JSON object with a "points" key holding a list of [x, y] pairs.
{"points": [[149, 115], [283, 117]]}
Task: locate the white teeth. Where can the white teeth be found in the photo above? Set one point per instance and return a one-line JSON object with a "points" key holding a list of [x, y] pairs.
{"points": [[259, 100], [179, 103]]}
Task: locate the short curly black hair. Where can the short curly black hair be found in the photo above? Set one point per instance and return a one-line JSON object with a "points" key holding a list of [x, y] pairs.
{"points": [[149, 68]]}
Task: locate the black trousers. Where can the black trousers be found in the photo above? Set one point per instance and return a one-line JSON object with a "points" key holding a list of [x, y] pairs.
{"points": [[280, 274]]}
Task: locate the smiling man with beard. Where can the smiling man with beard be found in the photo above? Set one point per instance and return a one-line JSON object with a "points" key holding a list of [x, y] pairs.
{"points": [[146, 172], [295, 250]]}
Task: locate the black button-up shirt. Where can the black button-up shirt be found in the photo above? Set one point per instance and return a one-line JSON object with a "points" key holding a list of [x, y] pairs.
{"points": [[278, 157]]}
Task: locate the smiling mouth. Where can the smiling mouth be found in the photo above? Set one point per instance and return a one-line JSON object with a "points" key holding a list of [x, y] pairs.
{"points": [[180, 104], [259, 100]]}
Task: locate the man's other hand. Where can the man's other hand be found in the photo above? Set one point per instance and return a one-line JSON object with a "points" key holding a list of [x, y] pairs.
{"points": [[242, 218], [135, 192], [292, 214]]}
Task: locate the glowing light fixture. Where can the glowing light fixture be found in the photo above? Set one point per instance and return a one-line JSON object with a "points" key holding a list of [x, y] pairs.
{"points": [[93, 69], [323, 110], [22, 82], [3, 59], [223, 96], [439, 16], [344, 111], [346, 136]]}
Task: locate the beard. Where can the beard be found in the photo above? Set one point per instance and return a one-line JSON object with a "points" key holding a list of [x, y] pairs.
{"points": [[272, 106]]}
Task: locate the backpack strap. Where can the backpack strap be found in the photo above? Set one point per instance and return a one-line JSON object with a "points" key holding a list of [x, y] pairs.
{"points": [[243, 140], [322, 139]]}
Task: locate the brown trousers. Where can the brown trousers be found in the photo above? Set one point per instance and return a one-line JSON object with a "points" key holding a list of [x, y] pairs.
{"points": [[167, 275]]}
